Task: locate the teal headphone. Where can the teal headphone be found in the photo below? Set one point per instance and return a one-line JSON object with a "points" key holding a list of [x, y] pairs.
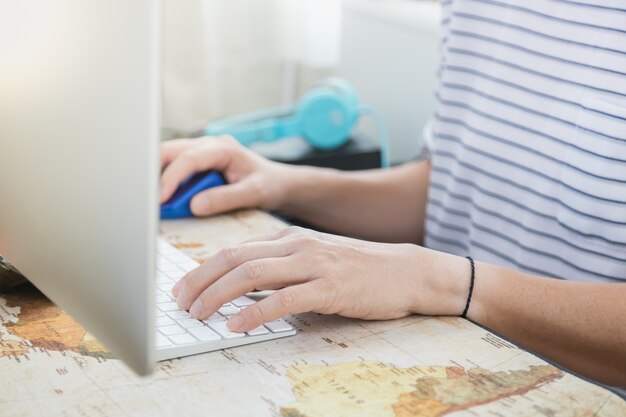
{"points": [[324, 117]]}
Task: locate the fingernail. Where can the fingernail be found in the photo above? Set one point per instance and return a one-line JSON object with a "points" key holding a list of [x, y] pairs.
{"points": [[196, 309], [235, 322]]}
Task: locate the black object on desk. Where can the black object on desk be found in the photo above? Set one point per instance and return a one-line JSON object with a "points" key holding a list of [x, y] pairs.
{"points": [[358, 153]]}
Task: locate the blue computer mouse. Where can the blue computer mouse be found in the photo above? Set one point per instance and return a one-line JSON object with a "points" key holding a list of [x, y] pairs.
{"points": [[179, 205]]}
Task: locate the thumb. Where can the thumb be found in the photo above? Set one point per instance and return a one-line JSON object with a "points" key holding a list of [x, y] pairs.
{"points": [[225, 198]]}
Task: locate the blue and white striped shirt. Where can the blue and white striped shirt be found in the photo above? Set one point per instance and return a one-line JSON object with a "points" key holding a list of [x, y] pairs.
{"points": [[528, 147]]}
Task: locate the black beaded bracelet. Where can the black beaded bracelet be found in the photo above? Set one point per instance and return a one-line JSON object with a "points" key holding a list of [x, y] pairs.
{"points": [[471, 288]]}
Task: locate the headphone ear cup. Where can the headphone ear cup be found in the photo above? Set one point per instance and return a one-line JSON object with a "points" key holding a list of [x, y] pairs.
{"points": [[324, 120], [327, 114], [344, 89]]}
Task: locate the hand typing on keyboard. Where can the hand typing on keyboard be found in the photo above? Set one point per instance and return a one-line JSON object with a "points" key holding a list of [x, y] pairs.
{"points": [[179, 334], [316, 272]]}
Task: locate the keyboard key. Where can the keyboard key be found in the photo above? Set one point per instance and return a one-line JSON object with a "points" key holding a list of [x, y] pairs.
{"points": [[204, 334], [169, 269], [158, 313], [164, 321], [258, 331], [187, 323], [171, 330], [162, 278], [163, 298], [214, 317], [222, 330], [243, 301], [166, 288], [188, 266], [183, 339], [178, 315], [228, 310], [165, 307], [279, 326], [178, 257], [161, 341], [163, 262], [168, 253], [176, 275]]}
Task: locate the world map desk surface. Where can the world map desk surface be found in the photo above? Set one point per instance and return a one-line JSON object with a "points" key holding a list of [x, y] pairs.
{"points": [[417, 366]]}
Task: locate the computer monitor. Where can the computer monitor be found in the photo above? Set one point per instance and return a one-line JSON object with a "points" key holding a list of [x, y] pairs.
{"points": [[79, 134]]}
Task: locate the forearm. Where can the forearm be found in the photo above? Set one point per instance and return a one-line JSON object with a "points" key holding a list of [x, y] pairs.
{"points": [[578, 325], [386, 206]]}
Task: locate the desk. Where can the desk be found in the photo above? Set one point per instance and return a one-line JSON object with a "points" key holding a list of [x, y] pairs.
{"points": [[416, 366]]}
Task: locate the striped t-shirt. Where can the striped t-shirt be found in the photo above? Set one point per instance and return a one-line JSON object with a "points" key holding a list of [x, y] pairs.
{"points": [[528, 146]]}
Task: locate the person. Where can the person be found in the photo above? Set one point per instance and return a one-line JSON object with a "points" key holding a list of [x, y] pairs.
{"points": [[525, 175]]}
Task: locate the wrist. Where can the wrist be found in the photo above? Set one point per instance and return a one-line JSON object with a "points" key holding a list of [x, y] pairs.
{"points": [[445, 281], [302, 187], [276, 185]]}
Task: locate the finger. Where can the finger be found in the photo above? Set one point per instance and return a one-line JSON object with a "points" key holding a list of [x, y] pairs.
{"points": [[266, 238], [226, 198], [281, 234], [257, 274], [191, 285], [291, 300], [212, 154], [285, 235], [262, 238], [225, 260], [172, 148], [258, 239]]}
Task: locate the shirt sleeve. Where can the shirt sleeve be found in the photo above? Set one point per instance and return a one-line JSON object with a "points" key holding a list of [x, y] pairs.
{"points": [[427, 138]]}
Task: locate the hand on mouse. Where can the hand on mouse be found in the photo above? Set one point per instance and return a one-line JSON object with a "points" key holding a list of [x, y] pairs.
{"points": [[327, 274], [253, 181]]}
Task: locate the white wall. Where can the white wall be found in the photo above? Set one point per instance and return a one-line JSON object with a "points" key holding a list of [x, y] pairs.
{"points": [[224, 57], [389, 53]]}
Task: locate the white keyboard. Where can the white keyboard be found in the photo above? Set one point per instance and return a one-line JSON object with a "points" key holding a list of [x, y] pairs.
{"points": [[179, 334]]}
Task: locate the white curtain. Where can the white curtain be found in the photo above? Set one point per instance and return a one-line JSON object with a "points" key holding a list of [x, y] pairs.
{"points": [[224, 57]]}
